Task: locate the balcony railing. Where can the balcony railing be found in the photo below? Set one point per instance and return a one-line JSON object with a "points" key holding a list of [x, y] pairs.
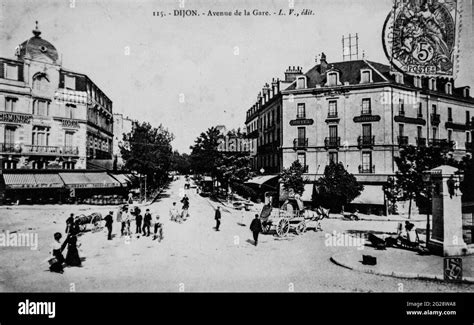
{"points": [[10, 148], [332, 115], [435, 119], [403, 141], [442, 143], [301, 116], [421, 142], [300, 143], [365, 112], [50, 150], [68, 150], [366, 141], [332, 142], [99, 154], [366, 169]]}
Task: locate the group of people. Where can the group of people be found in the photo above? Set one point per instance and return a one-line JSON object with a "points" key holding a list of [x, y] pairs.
{"points": [[143, 223], [57, 261], [182, 216]]}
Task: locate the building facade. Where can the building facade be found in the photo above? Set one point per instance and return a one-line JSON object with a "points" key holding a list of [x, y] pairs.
{"points": [[122, 126], [362, 113], [50, 117]]}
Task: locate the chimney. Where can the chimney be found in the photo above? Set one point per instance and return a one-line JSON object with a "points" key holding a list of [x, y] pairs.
{"points": [[259, 100], [291, 73], [324, 63], [275, 87], [266, 93]]}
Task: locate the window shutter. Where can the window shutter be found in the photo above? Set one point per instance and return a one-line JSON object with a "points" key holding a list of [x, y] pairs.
{"points": [[20, 72], [2, 67], [61, 80]]}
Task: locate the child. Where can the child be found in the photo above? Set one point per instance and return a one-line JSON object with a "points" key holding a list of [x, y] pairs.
{"points": [[158, 233]]}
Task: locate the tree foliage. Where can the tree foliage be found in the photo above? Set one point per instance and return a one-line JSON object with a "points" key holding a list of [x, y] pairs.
{"points": [[336, 188], [181, 163], [149, 152], [292, 178], [204, 153]]}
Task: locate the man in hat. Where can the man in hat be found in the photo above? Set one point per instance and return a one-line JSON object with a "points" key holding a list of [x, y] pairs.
{"points": [[256, 228], [147, 223], [217, 216], [108, 224]]}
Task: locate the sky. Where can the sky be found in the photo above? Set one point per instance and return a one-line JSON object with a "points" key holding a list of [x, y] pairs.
{"points": [[195, 72]]}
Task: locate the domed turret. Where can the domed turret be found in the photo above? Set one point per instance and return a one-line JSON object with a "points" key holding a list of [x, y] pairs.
{"points": [[37, 48]]}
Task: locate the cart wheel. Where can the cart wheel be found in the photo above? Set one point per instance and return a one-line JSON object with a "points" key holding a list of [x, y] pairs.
{"points": [[300, 228], [283, 227]]}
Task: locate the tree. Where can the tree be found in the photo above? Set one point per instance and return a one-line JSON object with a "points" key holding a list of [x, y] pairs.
{"points": [[392, 193], [292, 178], [204, 153], [149, 152], [336, 188], [234, 168], [181, 163], [412, 163]]}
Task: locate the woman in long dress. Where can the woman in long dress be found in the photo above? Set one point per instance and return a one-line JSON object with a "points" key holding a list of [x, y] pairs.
{"points": [[57, 258], [72, 256]]}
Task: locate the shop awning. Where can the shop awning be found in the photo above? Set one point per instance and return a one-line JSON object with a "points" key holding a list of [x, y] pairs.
{"points": [[102, 180], [372, 194], [308, 193], [19, 180], [260, 180], [49, 180], [122, 179], [78, 180]]}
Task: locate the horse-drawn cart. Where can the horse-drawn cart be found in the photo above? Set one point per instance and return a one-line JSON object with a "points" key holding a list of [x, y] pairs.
{"points": [[291, 217], [92, 222]]}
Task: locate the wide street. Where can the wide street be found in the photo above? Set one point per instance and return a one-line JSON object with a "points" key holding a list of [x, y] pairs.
{"points": [[193, 257]]}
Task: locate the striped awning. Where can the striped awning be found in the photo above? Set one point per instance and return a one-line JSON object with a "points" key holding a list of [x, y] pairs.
{"points": [[122, 179], [89, 180], [102, 180], [19, 180], [75, 180], [372, 194], [48, 180]]}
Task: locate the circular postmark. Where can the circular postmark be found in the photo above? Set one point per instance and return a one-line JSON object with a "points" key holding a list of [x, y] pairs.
{"points": [[419, 37]]}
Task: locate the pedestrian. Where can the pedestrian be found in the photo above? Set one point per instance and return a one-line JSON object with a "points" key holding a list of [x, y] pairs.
{"points": [[69, 223], [147, 223], [256, 228], [174, 213], [138, 221], [125, 222], [130, 198], [108, 224], [72, 256], [158, 231], [217, 216], [57, 259]]}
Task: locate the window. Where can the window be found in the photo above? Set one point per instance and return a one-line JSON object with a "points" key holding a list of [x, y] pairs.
{"points": [[434, 109], [367, 161], [40, 136], [69, 82], [40, 107], [366, 106], [70, 110], [367, 130], [449, 88], [11, 71], [68, 139], [301, 111], [40, 82], [419, 132], [301, 83], [450, 135], [450, 114], [401, 107], [10, 104], [401, 129], [420, 110], [417, 82], [332, 79], [432, 84], [468, 137], [468, 117], [435, 133], [302, 133], [302, 158], [9, 135], [332, 157], [365, 76], [333, 132], [332, 111]]}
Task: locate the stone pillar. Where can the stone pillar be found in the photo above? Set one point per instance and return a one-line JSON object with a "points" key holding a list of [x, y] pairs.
{"points": [[446, 230]]}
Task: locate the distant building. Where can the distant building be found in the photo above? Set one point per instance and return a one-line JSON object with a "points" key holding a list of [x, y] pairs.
{"points": [[50, 117], [122, 126], [360, 113]]}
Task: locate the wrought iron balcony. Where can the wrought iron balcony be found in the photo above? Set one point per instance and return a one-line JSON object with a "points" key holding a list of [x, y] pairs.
{"points": [[332, 142], [421, 142], [366, 169], [69, 150], [300, 143], [332, 115], [10, 148], [365, 112], [301, 116], [403, 141], [366, 141], [442, 143], [435, 119], [48, 150]]}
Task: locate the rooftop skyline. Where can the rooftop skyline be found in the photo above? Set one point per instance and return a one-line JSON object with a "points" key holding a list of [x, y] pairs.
{"points": [[196, 72]]}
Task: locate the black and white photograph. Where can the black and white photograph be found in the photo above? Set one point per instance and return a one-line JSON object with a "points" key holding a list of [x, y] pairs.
{"points": [[237, 147]]}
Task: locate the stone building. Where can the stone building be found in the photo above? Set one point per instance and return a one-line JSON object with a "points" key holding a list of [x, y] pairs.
{"points": [[50, 117], [361, 113], [122, 125]]}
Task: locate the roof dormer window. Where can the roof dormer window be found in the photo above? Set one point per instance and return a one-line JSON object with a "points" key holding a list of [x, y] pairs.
{"points": [[301, 82], [333, 78], [449, 88], [365, 76], [11, 71], [466, 92], [417, 81], [432, 84]]}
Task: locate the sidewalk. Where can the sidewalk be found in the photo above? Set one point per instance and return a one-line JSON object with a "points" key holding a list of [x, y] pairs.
{"points": [[401, 263]]}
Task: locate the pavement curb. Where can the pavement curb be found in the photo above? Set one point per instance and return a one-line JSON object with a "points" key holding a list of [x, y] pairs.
{"points": [[395, 274]]}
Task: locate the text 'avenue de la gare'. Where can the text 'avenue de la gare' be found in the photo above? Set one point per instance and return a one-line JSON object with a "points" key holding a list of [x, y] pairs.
{"points": [[237, 13]]}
